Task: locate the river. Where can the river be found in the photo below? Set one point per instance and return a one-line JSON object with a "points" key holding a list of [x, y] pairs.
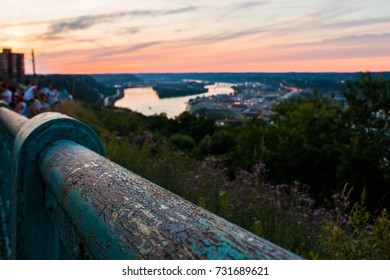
{"points": [[146, 101]]}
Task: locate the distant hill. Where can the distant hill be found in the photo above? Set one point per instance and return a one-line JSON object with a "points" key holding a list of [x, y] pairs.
{"points": [[111, 80]]}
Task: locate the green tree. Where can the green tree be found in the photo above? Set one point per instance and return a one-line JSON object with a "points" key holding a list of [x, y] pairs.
{"points": [[316, 141], [196, 127], [364, 159], [302, 142], [182, 141], [219, 143], [250, 148]]}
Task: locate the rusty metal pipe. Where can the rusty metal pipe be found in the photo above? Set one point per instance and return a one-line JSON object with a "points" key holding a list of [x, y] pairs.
{"points": [[120, 215]]}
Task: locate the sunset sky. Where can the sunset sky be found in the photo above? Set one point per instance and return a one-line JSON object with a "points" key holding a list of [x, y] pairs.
{"points": [[122, 36]]}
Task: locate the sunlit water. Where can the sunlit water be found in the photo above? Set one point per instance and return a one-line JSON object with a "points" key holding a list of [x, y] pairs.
{"points": [[146, 101]]}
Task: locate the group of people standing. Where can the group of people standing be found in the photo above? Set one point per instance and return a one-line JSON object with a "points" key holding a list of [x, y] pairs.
{"points": [[30, 100]]}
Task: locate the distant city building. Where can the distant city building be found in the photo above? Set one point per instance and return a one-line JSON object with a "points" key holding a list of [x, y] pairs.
{"points": [[12, 65]]}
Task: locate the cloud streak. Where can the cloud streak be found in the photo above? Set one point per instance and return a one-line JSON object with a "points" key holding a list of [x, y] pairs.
{"points": [[250, 5], [120, 51], [84, 22], [210, 39], [358, 23], [27, 23]]}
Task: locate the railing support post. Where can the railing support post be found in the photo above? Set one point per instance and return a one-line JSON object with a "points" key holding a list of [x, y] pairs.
{"points": [[33, 235]]}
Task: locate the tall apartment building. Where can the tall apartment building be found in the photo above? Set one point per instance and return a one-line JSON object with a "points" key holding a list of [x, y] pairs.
{"points": [[11, 65]]}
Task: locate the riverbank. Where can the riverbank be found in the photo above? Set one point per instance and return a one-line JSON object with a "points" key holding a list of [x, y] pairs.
{"points": [[109, 101]]}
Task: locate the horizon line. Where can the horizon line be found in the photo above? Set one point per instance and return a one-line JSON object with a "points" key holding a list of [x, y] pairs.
{"points": [[222, 72]]}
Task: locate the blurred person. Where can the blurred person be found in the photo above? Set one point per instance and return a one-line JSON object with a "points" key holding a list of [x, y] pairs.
{"points": [[5, 93], [18, 95], [32, 92], [54, 97], [34, 104], [69, 97], [45, 103], [45, 89], [21, 108]]}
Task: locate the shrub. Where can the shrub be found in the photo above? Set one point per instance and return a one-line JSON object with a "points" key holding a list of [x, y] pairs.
{"points": [[182, 141]]}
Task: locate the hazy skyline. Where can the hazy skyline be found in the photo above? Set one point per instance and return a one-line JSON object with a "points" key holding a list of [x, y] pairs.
{"points": [[119, 36]]}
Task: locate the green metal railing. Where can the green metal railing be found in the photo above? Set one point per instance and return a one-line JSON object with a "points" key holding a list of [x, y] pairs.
{"points": [[60, 198], [6, 141]]}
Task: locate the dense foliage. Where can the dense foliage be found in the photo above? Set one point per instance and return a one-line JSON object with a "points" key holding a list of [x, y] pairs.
{"points": [[313, 180]]}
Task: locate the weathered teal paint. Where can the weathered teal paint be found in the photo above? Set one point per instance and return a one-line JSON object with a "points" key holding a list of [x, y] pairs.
{"points": [[7, 136], [5, 248], [69, 202], [120, 215]]}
